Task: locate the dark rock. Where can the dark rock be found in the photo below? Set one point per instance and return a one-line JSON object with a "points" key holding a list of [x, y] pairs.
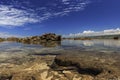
{"points": [[47, 40], [2, 39], [89, 63], [5, 77], [116, 38], [43, 38]]}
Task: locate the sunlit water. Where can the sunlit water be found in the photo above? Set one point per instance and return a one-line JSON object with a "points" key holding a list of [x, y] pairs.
{"points": [[100, 45], [94, 45], [10, 50], [34, 59]]}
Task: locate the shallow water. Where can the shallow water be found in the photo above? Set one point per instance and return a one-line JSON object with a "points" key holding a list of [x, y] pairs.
{"points": [[94, 45], [12, 49], [87, 45], [30, 58]]}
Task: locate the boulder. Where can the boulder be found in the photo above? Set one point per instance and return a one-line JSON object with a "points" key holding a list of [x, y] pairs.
{"points": [[2, 39], [45, 38]]}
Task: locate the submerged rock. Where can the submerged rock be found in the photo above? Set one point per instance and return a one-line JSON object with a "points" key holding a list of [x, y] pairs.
{"points": [[90, 65], [68, 65]]}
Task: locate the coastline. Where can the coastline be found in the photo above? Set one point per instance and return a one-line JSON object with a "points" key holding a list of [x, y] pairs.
{"points": [[62, 65]]}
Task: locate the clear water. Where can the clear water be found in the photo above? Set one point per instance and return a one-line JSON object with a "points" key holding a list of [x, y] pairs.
{"points": [[9, 50], [93, 45], [99, 45]]}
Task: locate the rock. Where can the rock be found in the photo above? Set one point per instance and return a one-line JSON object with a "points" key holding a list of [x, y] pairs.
{"points": [[12, 39], [87, 77], [91, 65], [5, 77], [47, 40], [43, 38], [69, 74], [116, 38], [76, 77]]}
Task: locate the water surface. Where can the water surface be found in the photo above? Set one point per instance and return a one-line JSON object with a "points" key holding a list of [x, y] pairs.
{"points": [[92, 45], [26, 59]]}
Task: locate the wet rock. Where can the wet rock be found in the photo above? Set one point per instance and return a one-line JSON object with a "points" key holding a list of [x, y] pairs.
{"points": [[76, 77], [116, 38], [23, 76], [5, 77], [88, 64], [28, 69], [69, 74]]}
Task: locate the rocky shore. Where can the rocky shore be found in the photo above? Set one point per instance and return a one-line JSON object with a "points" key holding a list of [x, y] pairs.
{"points": [[34, 66], [2, 39], [62, 65], [57, 64], [48, 37], [89, 65], [46, 40]]}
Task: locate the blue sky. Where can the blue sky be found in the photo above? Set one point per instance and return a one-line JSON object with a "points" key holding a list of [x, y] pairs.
{"points": [[35, 17]]}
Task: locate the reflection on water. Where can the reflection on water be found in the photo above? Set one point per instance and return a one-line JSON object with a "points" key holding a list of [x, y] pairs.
{"points": [[100, 45], [51, 44], [24, 59], [88, 43], [46, 44], [12, 50], [109, 43], [94, 44]]}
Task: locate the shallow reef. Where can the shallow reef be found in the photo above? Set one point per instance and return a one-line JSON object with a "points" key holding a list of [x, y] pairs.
{"points": [[62, 65]]}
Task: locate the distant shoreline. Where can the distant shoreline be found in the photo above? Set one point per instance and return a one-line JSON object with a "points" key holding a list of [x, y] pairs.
{"points": [[115, 37]]}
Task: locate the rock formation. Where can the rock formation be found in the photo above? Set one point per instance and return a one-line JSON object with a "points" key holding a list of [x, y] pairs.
{"points": [[2, 39], [37, 39], [93, 65]]}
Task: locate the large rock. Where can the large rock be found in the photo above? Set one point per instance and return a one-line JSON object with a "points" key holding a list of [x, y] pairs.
{"points": [[40, 39], [12, 39], [2, 39], [48, 37]]}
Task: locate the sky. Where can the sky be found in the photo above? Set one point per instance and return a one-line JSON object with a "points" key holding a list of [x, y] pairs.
{"points": [[65, 17]]}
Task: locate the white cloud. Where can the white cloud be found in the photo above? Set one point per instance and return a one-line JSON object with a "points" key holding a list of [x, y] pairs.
{"points": [[95, 33], [112, 30], [10, 16], [17, 14], [88, 32], [66, 1], [6, 34]]}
